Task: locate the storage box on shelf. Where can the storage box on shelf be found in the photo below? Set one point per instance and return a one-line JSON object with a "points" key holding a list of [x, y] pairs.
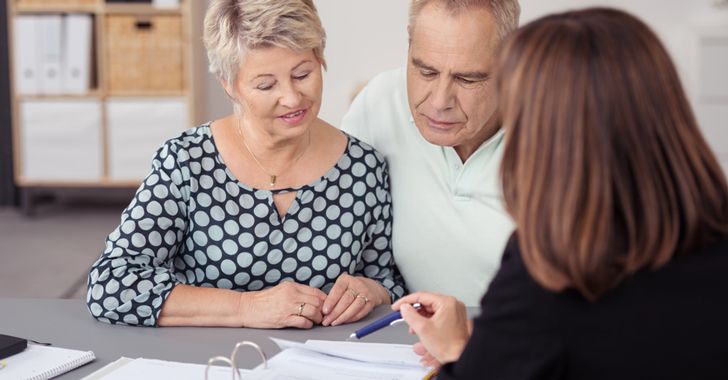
{"points": [[97, 87]]}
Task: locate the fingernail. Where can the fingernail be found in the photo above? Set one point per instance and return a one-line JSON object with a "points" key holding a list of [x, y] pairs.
{"points": [[335, 323], [325, 322]]}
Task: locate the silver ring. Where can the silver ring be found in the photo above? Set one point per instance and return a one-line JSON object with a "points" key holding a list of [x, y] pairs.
{"points": [[300, 308]]}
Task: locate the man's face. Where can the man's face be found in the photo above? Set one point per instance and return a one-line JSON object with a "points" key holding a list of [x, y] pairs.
{"points": [[449, 85]]}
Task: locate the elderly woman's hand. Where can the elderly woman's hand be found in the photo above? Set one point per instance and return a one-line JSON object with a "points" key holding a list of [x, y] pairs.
{"points": [[287, 304], [441, 324], [351, 298]]}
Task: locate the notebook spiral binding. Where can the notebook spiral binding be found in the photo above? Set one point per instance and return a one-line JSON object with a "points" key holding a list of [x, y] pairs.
{"points": [[59, 370], [231, 360]]}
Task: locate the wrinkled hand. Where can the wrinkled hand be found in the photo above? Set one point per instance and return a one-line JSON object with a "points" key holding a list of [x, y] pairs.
{"points": [[351, 298], [280, 305], [441, 324]]}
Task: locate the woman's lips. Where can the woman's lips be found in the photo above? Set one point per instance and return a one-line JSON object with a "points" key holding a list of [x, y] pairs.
{"points": [[294, 117]]}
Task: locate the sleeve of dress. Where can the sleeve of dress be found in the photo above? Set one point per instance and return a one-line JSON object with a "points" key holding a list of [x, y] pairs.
{"points": [[135, 274], [515, 337], [377, 261]]}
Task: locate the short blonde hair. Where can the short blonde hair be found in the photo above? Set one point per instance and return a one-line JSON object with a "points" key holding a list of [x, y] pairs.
{"points": [[233, 27], [505, 12]]}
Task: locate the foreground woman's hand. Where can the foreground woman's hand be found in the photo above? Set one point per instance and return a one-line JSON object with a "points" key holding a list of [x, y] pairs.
{"points": [[287, 304], [351, 298], [441, 324], [426, 357]]}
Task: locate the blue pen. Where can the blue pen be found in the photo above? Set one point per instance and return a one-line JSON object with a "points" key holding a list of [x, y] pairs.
{"points": [[387, 320]]}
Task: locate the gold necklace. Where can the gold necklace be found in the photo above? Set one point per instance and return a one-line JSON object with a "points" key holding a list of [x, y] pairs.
{"points": [[273, 177]]}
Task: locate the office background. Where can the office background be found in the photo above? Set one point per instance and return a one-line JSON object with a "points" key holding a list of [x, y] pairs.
{"points": [[48, 254]]}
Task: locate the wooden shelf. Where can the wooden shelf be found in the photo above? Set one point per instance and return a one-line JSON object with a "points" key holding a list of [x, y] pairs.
{"points": [[90, 94], [102, 182], [138, 9], [103, 17], [57, 8], [145, 94]]}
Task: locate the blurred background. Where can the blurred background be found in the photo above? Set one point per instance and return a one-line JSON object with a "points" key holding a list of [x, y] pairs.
{"points": [[90, 88]]}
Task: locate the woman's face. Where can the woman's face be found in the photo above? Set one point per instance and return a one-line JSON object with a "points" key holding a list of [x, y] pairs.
{"points": [[279, 91]]}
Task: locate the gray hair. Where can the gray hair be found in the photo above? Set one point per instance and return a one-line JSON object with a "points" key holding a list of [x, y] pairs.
{"points": [[505, 12], [232, 27]]}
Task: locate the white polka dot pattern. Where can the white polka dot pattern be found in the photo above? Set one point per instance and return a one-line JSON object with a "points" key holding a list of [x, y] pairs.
{"points": [[192, 222]]}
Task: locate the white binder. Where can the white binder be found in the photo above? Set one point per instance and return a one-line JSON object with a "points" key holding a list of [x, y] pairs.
{"points": [[77, 53], [26, 62], [51, 53]]}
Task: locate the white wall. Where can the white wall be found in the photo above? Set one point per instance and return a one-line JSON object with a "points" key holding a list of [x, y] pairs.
{"points": [[368, 36]]}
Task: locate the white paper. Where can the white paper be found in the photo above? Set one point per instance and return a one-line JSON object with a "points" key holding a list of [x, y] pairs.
{"points": [[301, 364], [43, 362], [375, 353], [134, 369]]}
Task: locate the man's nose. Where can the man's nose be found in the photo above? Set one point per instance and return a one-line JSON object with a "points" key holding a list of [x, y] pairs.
{"points": [[442, 96]]}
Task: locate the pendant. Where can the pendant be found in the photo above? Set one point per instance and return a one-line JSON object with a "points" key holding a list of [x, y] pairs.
{"points": [[272, 181]]}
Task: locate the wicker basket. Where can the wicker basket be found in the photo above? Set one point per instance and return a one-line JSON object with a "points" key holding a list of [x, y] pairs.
{"points": [[144, 54]]}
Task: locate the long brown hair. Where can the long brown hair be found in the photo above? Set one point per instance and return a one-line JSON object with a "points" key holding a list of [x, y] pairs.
{"points": [[605, 171]]}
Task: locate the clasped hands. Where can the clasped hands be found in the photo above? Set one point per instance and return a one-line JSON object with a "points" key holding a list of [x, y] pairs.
{"points": [[290, 304]]}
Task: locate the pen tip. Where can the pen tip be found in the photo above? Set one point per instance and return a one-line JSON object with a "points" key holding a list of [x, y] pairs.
{"points": [[352, 336]]}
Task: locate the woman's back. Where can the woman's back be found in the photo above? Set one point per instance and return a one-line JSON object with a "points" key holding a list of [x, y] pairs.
{"points": [[663, 324]]}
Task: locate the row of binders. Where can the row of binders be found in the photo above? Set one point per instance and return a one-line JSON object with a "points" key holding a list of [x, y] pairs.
{"points": [[53, 54]]}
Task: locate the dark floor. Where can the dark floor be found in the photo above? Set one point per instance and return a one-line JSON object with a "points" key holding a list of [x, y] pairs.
{"points": [[48, 255]]}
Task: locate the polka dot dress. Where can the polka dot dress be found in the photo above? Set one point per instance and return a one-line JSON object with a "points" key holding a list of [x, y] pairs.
{"points": [[192, 222]]}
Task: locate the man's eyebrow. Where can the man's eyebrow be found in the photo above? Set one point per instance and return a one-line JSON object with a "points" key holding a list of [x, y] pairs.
{"points": [[474, 75], [422, 65]]}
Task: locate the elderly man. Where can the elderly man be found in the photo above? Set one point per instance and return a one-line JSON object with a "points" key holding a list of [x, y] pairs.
{"points": [[438, 126]]}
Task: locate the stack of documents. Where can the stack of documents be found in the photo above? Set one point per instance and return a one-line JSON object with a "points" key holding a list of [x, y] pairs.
{"points": [[315, 360], [134, 369], [320, 359]]}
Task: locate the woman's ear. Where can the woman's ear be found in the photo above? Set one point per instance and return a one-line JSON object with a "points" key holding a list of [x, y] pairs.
{"points": [[229, 91]]}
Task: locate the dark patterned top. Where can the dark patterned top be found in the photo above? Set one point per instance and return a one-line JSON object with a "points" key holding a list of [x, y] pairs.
{"points": [[192, 222]]}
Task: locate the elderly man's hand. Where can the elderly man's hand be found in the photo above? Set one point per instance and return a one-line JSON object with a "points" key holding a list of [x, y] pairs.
{"points": [[351, 298]]}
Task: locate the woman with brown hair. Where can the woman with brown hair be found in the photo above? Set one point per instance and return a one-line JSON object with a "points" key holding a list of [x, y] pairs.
{"points": [[618, 265]]}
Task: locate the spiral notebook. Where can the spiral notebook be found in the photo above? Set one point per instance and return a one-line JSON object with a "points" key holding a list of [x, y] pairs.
{"points": [[43, 362]]}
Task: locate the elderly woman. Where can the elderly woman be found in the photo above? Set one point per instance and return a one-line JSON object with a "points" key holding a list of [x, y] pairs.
{"points": [[617, 269], [248, 221]]}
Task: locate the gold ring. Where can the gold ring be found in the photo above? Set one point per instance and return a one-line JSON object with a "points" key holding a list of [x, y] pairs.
{"points": [[363, 297], [300, 308], [352, 292]]}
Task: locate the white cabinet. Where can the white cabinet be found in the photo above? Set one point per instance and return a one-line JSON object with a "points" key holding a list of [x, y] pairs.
{"points": [[137, 127], [61, 140]]}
